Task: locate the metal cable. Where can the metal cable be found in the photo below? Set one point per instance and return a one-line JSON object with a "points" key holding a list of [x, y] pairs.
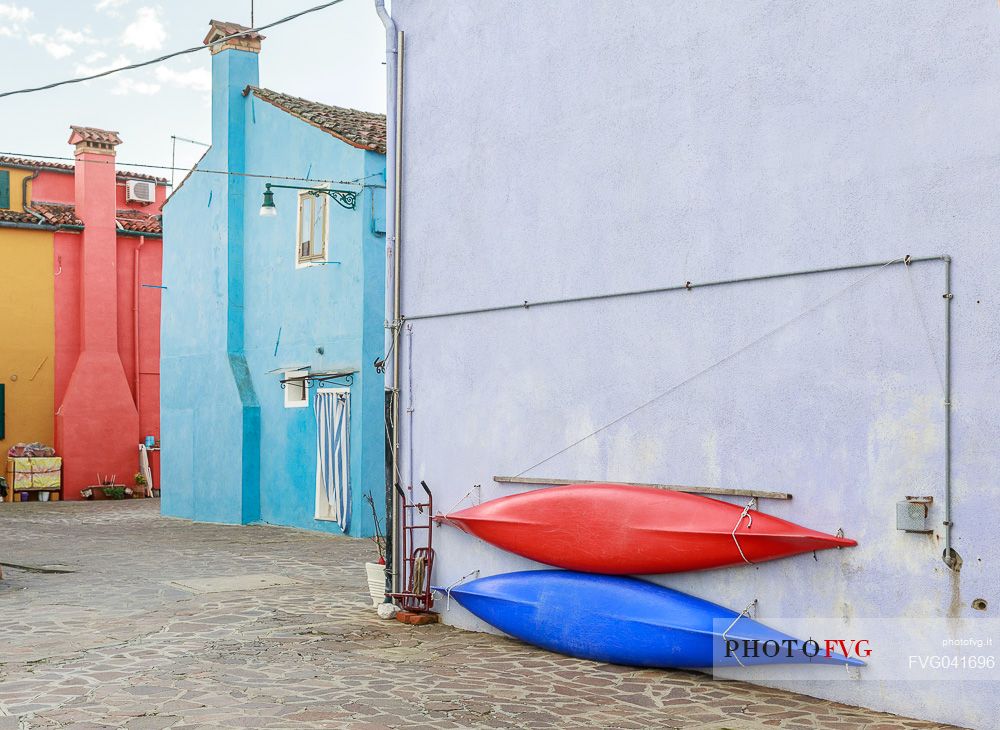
{"points": [[714, 365], [160, 59], [923, 323], [25, 156]]}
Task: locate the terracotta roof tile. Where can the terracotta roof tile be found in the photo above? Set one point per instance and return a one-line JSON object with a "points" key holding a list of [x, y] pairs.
{"points": [[30, 164], [16, 216], [58, 214], [136, 220], [221, 29], [61, 214], [365, 130], [93, 134], [141, 176], [6, 161]]}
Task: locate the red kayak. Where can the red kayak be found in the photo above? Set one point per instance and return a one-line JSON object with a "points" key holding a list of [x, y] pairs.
{"points": [[626, 530]]}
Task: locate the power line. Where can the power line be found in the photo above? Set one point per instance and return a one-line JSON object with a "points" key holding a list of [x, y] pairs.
{"points": [[25, 156], [168, 56], [192, 141]]}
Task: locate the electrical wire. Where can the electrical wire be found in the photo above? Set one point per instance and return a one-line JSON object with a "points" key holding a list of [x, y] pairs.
{"points": [[25, 156], [168, 56]]}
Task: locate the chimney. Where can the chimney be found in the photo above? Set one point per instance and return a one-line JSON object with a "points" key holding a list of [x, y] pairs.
{"points": [[219, 29], [94, 180], [234, 67], [97, 423]]}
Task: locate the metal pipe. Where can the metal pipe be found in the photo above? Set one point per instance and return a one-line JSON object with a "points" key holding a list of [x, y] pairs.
{"points": [[135, 322], [24, 196], [394, 126], [687, 286], [397, 239], [949, 556]]}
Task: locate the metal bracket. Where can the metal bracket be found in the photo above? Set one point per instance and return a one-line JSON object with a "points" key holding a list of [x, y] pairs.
{"points": [[344, 198], [320, 379]]}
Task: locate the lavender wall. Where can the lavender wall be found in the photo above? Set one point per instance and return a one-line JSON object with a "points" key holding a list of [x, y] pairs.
{"points": [[558, 149]]}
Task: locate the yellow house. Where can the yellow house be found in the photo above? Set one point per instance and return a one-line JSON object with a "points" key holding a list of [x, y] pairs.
{"points": [[27, 313]]}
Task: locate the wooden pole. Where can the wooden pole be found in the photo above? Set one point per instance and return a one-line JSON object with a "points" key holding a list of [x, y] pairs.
{"points": [[717, 491]]}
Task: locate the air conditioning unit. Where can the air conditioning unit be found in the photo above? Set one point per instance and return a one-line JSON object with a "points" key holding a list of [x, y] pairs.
{"points": [[140, 191]]}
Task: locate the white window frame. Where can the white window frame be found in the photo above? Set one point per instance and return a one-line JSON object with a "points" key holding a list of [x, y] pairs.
{"points": [[313, 199], [295, 388]]}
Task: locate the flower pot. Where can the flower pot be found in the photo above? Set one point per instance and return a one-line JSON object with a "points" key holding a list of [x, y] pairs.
{"points": [[43, 496], [376, 582]]}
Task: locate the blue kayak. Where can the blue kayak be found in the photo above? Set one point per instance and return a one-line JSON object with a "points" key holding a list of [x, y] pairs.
{"points": [[627, 621]]}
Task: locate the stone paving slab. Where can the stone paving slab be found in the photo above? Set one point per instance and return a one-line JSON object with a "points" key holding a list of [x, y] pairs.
{"points": [[113, 644]]}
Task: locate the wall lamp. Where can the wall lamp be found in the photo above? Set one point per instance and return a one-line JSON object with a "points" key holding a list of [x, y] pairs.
{"points": [[344, 198]]}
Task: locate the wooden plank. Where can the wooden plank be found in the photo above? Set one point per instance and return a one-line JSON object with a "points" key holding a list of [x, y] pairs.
{"points": [[717, 491]]}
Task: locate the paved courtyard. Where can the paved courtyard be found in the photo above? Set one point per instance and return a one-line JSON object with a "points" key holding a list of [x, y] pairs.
{"points": [[95, 633]]}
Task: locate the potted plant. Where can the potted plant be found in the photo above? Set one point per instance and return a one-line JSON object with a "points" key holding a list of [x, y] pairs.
{"points": [[376, 571], [140, 485], [109, 488]]}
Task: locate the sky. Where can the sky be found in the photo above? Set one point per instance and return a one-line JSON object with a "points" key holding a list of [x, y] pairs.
{"points": [[335, 56]]}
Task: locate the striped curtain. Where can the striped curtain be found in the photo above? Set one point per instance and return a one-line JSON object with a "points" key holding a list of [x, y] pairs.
{"points": [[333, 493]]}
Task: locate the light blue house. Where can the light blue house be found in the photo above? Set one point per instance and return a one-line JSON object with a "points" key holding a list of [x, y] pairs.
{"points": [[272, 409]]}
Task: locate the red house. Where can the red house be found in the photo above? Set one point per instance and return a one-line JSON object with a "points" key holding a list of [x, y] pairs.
{"points": [[106, 264]]}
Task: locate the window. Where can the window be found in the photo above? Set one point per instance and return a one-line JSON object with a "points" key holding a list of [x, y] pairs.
{"points": [[4, 189], [296, 392], [310, 243]]}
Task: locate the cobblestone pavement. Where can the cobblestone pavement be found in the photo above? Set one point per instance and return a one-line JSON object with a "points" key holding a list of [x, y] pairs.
{"points": [[112, 645]]}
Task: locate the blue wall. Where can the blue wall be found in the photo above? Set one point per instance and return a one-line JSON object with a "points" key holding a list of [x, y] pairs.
{"points": [[668, 142], [232, 451]]}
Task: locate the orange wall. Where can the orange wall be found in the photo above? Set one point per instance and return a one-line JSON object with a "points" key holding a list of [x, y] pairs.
{"points": [[27, 358]]}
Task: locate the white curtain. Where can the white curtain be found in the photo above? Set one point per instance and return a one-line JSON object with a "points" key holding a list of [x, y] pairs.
{"points": [[333, 493]]}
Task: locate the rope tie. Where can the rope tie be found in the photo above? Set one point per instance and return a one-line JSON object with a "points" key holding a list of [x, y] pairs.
{"points": [[749, 518], [419, 568], [741, 614], [475, 488], [448, 589]]}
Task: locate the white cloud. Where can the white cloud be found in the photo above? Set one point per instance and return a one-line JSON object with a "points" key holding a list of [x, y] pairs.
{"points": [[89, 68], [53, 47], [11, 17], [126, 86], [63, 42], [146, 32], [95, 57], [198, 79], [13, 14], [74, 37], [109, 6]]}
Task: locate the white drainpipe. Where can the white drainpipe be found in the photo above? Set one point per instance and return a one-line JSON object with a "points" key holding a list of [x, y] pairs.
{"points": [[394, 133]]}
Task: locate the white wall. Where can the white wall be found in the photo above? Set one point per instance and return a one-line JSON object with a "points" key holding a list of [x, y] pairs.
{"points": [[563, 148]]}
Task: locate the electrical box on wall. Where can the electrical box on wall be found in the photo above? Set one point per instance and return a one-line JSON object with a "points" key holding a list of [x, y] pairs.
{"points": [[912, 514]]}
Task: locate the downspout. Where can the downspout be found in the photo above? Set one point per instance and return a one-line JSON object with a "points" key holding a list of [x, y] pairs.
{"points": [[950, 556], [394, 134], [24, 196], [135, 322]]}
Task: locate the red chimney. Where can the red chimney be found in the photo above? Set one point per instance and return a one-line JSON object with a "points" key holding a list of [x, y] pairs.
{"points": [[97, 424]]}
